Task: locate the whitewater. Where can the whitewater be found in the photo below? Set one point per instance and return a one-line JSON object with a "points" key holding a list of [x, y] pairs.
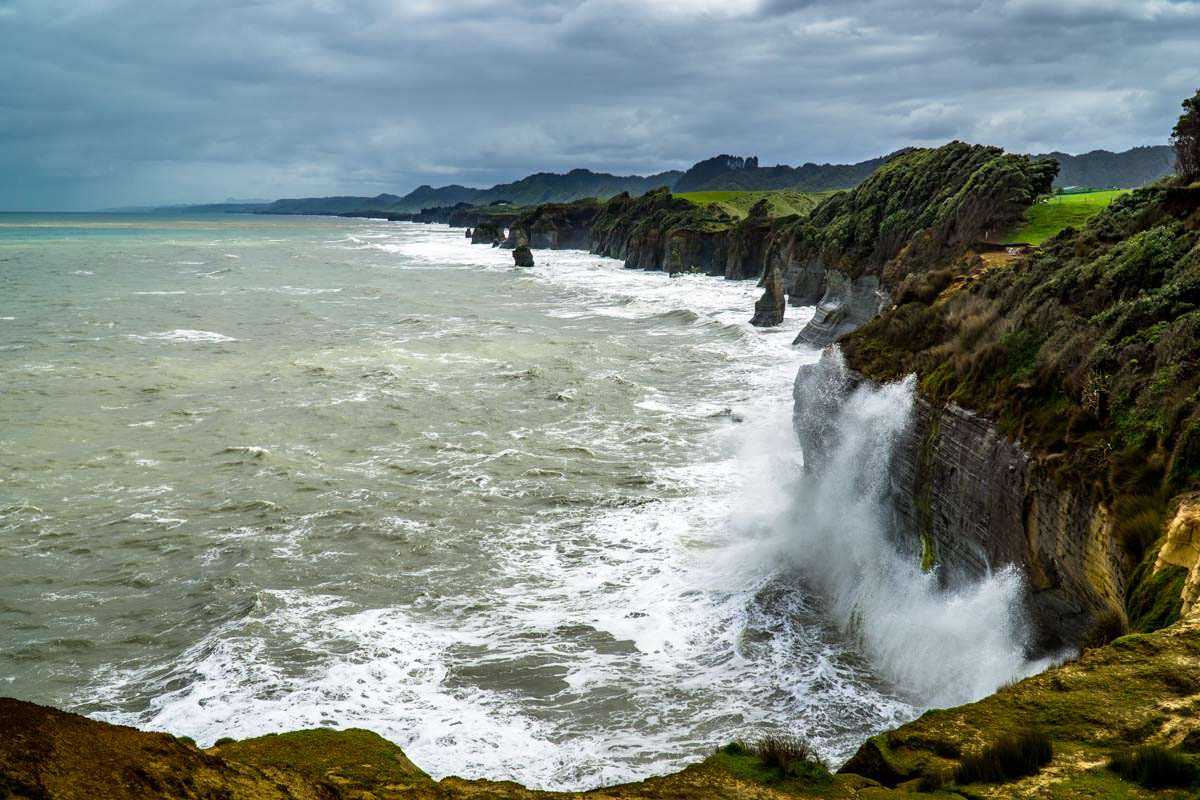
{"points": [[549, 525]]}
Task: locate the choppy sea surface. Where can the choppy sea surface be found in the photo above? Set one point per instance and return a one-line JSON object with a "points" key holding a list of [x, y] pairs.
{"points": [[262, 473]]}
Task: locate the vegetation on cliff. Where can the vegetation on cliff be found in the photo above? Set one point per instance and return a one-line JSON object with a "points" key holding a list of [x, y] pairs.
{"points": [[1088, 352], [1055, 735], [920, 208]]}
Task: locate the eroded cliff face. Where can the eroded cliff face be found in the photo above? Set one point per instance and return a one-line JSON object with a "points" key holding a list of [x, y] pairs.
{"points": [[966, 500], [845, 305], [969, 500]]}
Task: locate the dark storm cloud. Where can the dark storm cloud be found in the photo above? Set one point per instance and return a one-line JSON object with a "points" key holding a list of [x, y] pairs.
{"points": [[109, 102]]}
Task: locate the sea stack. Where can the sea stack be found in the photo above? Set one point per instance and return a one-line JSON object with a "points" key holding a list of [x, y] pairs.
{"points": [[768, 311], [523, 256]]}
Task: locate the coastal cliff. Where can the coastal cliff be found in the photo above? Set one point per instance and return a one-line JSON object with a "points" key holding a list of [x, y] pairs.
{"points": [[921, 210], [1057, 427]]}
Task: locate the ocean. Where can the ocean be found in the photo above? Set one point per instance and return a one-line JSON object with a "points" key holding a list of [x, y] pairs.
{"points": [[265, 473]]}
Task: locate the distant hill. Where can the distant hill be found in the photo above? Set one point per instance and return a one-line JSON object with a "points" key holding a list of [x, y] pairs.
{"points": [[543, 187], [1101, 169], [1098, 169], [735, 173]]}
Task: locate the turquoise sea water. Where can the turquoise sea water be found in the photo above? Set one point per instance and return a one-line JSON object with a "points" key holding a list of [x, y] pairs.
{"points": [[261, 473]]}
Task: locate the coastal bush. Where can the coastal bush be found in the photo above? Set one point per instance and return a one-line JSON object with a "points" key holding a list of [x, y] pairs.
{"points": [[1155, 767], [920, 207], [1009, 758], [775, 759]]}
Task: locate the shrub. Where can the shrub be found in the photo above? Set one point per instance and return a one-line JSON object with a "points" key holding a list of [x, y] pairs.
{"points": [[774, 759], [1009, 758], [782, 752], [1155, 767]]}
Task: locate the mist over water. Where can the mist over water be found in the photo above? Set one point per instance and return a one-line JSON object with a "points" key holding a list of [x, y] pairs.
{"points": [[548, 525]]}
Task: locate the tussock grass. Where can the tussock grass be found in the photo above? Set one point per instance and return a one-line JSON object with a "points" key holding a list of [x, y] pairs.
{"points": [[775, 759], [1009, 758], [1155, 767]]}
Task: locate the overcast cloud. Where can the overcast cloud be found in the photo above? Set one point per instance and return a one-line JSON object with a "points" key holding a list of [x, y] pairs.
{"points": [[115, 102]]}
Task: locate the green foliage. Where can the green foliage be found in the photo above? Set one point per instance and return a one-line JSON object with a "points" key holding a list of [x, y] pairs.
{"points": [[656, 210], [1009, 758], [1154, 599], [1051, 215], [1185, 138], [1155, 767]]}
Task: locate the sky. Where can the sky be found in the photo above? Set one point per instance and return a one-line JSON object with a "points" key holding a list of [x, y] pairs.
{"points": [[108, 103]]}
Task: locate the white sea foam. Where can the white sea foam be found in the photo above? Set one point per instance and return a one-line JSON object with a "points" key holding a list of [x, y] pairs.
{"points": [[186, 335]]}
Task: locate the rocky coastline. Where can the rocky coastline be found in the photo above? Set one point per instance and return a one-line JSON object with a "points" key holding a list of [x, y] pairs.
{"points": [[1001, 466]]}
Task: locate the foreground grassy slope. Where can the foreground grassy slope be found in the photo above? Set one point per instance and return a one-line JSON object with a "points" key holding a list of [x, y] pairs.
{"points": [[1111, 702], [1052, 215], [46, 754], [1143, 689], [781, 203]]}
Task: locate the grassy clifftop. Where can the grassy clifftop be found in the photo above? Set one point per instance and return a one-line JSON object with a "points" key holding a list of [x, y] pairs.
{"points": [[781, 203]]}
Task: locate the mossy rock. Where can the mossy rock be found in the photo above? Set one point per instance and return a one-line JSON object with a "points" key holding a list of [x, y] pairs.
{"points": [[351, 759]]}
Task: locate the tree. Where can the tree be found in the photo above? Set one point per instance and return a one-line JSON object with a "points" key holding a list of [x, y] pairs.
{"points": [[1186, 139]]}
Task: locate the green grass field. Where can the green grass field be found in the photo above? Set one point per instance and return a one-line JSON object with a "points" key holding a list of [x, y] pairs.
{"points": [[737, 204], [1044, 219]]}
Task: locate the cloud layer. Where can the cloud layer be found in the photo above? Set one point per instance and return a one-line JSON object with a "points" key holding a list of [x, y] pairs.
{"points": [[113, 102]]}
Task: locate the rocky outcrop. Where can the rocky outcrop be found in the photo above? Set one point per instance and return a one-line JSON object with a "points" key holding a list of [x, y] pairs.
{"points": [[917, 213], [555, 226], [846, 305], [487, 233], [1140, 690], [1181, 550], [523, 256]]}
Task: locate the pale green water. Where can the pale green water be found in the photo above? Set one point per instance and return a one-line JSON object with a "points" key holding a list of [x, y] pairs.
{"points": [[260, 473]]}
